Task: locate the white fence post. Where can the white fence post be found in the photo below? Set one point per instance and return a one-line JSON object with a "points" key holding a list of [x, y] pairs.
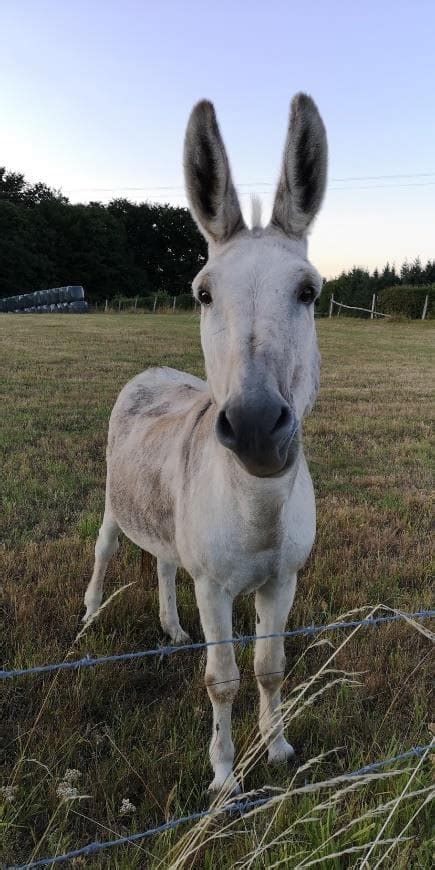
{"points": [[372, 314], [331, 305], [173, 305], [119, 305], [426, 303], [341, 305], [135, 304], [106, 307], [155, 303]]}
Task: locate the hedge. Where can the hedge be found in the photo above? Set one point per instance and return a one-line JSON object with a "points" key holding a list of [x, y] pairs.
{"points": [[185, 302], [406, 299]]}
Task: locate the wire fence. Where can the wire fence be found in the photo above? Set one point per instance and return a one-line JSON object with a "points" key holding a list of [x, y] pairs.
{"points": [[240, 807], [89, 661]]}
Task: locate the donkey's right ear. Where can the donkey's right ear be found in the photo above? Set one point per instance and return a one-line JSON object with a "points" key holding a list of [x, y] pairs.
{"points": [[210, 190]]}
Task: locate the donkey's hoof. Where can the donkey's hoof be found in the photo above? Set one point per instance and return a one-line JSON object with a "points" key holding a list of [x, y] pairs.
{"points": [[280, 751], [180, 636], [176, 634], [229, 787], [89, 614]]}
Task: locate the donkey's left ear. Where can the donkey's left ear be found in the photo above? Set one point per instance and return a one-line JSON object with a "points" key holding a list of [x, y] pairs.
{"points": [[210, 190], [302, 182]]}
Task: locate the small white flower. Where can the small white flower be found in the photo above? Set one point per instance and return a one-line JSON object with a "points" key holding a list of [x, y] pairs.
{"points": [[71, 775], [8, 792], [126, 807], [66, 791]]}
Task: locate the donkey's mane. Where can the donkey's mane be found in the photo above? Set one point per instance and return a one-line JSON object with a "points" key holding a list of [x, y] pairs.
{"points": [[256, 209]]}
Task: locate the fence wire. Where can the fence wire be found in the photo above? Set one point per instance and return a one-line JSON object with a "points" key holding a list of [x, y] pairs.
{"points": [[89, 661], [239, 807]]}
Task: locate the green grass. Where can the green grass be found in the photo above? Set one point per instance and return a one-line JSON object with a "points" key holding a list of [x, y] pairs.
{"points": [[141, 730]]}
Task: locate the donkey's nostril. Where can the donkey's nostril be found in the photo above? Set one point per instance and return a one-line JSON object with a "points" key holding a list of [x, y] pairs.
{"points": [[225, 430], [282, 420]]}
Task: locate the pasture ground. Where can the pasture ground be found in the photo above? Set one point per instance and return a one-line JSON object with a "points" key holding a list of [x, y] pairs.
{"points": [[141, 730]]}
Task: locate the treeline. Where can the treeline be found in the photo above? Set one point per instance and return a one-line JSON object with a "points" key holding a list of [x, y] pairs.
{"points": [[356, 287], [118, 249], [124, 250]]}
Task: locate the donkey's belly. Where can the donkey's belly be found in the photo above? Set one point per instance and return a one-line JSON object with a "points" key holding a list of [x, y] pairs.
{"points": [[144, 513], [152, 544]]}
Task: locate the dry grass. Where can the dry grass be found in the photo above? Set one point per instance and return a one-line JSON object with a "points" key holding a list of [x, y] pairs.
{"points": [[141, 730]]}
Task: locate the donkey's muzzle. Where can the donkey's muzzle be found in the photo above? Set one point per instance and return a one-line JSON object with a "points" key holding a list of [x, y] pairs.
{"points": [[263, 435]]}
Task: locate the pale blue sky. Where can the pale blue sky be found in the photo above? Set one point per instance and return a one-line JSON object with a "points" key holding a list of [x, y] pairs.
{"points": [[96, 94]]}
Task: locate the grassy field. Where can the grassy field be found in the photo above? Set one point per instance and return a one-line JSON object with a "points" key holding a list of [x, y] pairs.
{"points": [[141, 730]]}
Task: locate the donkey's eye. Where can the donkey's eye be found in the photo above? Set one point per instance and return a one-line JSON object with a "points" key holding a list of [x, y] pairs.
{"points": [[307, 295], [204, 296]]}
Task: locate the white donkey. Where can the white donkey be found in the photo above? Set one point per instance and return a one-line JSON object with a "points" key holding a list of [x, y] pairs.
{"points": [[211, 475]]}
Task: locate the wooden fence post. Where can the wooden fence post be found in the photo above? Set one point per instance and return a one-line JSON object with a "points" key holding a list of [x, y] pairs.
{"points": [[135, 304], [331, 305], [119, 305], [173, 305], [372, 313], [426, 303], [155, 303]]}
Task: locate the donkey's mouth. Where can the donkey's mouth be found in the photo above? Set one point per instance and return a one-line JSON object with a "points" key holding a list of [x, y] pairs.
{"points": [[273, 463]]}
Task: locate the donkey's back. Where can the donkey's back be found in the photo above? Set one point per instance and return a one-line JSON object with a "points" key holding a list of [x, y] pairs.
{"points": [[148, 398]]}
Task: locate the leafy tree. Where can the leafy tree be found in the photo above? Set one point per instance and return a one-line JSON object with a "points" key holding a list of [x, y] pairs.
{"points": [[14, 188]]}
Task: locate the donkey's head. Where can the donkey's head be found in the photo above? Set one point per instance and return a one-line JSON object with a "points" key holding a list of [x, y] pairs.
{"points": [[257, 290]]}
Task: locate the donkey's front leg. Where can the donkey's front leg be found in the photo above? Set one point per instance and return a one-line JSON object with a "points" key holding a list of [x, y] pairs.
{"points": [[272, 603], [221, 678]]}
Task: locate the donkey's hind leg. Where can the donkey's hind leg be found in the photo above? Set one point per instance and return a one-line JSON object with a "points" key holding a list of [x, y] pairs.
{"points": [[169, 620], [105, 547]]}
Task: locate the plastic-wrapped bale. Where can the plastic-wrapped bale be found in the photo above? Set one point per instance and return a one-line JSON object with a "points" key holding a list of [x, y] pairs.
{"points": [[42, 301], [75, 293], [78, 307]]}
